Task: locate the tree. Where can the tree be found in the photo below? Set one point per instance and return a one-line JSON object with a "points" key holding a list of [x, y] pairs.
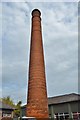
{"points": [[8, 100], [18, 109]]}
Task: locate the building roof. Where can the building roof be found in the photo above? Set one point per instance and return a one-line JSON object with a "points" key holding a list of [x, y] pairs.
{"points": [[5, 106], [63, 98]]}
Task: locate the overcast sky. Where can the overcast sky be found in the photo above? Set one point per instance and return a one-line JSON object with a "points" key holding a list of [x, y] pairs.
{"points": [[60, 41]]}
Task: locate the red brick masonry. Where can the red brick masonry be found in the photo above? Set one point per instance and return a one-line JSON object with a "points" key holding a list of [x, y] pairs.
{"points": [[37, 103]]}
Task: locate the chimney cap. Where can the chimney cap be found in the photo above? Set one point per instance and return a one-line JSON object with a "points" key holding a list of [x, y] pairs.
{"points": [[36, 12]]}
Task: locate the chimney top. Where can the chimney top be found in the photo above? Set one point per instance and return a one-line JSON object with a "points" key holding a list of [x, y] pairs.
{"points": [[36, 12]]}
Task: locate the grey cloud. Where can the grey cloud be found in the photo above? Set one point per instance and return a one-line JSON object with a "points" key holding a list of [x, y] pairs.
{"points": [[60, 48]]}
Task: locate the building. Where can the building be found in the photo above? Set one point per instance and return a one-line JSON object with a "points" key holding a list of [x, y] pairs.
{"points": [[5, 110], [62, 107]]}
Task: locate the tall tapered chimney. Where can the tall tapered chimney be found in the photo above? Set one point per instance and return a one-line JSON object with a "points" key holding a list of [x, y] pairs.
{"points": [[37, 103]]}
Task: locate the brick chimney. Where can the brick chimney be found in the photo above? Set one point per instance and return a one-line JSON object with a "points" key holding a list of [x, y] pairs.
{"points": [[37, 102]]}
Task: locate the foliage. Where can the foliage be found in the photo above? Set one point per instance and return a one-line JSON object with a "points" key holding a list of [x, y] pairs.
{"points": [[9, 101], [18, 109]]}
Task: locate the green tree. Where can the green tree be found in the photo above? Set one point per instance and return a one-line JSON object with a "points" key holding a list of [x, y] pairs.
{"points": [[8, 100], [18, 109]]}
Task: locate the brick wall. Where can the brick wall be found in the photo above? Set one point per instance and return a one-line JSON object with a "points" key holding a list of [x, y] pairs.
{"points": [[37, 104]]}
